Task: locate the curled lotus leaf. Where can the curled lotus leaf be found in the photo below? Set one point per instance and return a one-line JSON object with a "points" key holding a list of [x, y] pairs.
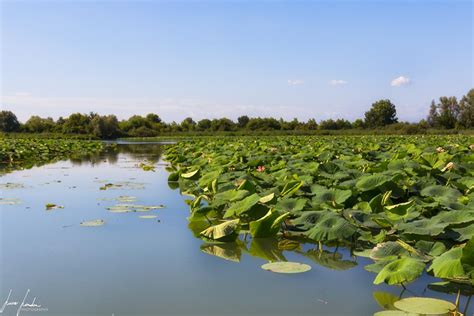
{"points": [[399, 271]]}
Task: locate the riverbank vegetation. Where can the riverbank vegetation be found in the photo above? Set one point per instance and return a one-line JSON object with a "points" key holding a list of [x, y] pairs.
{"points": [[21, 152], [446, 116]]}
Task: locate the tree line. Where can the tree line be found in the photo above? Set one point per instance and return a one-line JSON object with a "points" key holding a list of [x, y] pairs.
{"points": [[447, 113]]}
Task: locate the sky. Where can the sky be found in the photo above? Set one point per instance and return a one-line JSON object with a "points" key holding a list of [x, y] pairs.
{"points": [[211, 59]]}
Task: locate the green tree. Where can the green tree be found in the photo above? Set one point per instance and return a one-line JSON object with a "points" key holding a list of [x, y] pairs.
{"points": [[36, 124], [466, 110], [204, 124], [153, 118], [448, 110], [433, 116], [9, 122], [359, 124], [242, 121], [77, 123], [188, 124], [311, 125], [105, 127], [382, 113]]}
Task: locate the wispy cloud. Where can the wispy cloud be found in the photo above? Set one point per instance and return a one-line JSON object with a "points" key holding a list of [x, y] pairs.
{"points": [[400, 81], [295, 82], [337, 82]]}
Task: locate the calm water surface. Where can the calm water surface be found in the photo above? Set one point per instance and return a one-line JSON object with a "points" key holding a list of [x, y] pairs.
{"points": [[135, 266]]}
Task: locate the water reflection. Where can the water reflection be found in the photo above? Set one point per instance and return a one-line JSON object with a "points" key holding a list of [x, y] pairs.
{"points": [[135, 151]]}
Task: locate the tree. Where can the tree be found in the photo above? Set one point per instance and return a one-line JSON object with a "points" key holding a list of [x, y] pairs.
{"points": [[466, 110], [9, 122], [153, 118], [433, 117], [448, 110], [312, 125], [105, 127], [359, 124], [242, 121], [36, 124], [188, 124], [204, 124], [446, 113], [382, 113], [77, 123]]}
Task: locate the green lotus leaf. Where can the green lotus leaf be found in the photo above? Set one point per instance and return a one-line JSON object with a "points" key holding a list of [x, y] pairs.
{"points": [[291, 205], [400, 271], [448, 265], [467, 258], [308, 219], [330, 196], [371, 182], [388, 249], [423, 227], [268, 225], [207, 178], [228, 196], [242, 206], [226, 231], [463, 233], [331, 227], [425, 305], [430, 247], [291, 187], [190, 175], [267, 198], [439, 192], [398, 211]]}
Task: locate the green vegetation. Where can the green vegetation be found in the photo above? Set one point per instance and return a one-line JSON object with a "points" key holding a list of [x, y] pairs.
{"points": [[405, 202], [448, 114], [18, 153]]}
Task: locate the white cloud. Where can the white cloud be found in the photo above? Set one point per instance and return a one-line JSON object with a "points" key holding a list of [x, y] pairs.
{"points": [[400, 81], [337, 82], [295, 82]]}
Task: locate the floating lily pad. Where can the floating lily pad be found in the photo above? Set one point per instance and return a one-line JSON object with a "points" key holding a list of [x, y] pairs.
{"points": [[93, 223], [11, 185], [9, 201], [394, 313], [286, 267], [425, 305]]}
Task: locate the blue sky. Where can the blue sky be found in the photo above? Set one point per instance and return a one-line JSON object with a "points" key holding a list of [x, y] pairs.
{"points": [[304, 59]]}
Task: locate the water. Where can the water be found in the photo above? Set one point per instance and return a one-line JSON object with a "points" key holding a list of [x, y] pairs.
{"points": [[135, 266]]}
